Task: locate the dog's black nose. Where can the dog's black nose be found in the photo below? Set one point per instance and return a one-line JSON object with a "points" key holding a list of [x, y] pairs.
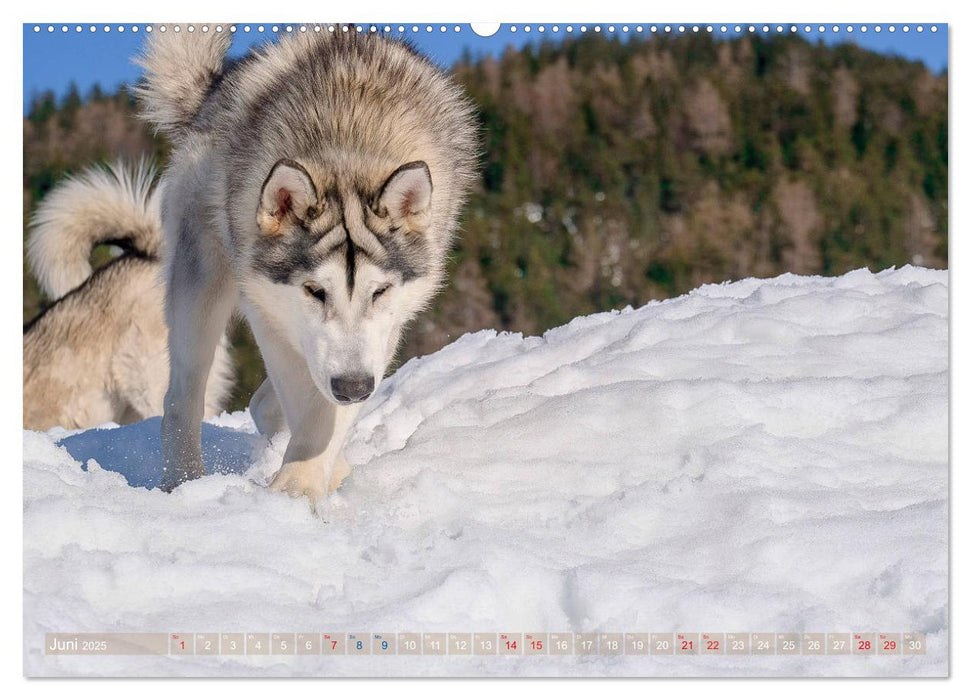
{"points": [[351, 388]]}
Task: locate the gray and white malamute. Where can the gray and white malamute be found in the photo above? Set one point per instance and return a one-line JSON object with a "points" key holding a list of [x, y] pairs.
{"points": [[317, 185], [99, 352]]}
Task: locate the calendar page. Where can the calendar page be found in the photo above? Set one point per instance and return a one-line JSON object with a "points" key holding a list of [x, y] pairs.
{"points": [[591, 349]]}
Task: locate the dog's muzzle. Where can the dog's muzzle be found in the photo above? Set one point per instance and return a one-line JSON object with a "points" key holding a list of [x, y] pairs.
{"points": [[352, 388]]}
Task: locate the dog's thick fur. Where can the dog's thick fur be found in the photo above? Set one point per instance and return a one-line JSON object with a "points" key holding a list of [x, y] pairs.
{"points": [[317, 185], [99, 352]]}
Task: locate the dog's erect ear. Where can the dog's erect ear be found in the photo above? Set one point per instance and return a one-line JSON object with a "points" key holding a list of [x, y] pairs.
{"points": [[288, 193], [407, 193]]}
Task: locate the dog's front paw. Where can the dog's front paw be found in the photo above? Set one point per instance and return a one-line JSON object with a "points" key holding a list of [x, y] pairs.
{"points": [[173, 477], [300, 479], [340, 472]]}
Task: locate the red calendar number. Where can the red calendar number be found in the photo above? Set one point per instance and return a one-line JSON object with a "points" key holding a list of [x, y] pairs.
{"points": [[712, 645], [889, 645], [510, 645], [536, 644], [864, 645], [687, 645]]}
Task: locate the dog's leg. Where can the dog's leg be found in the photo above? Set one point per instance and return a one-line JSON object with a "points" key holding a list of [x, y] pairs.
{"points": [[219, 385], [312, 464], [199, 303], [266, 411], [307, 472]]}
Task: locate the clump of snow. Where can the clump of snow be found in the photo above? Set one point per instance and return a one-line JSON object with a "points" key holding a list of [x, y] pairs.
{"points": [[762, 456]]}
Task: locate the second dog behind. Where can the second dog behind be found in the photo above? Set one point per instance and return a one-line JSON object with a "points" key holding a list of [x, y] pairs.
{"points": [[99, 352]]}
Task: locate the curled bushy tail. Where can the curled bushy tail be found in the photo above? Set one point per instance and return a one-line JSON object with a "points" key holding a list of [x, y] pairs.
{"points": [[112, 204], [180, 67]]}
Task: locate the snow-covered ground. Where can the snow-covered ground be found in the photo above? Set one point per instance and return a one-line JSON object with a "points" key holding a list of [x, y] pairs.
{"points": [[762, 456]]}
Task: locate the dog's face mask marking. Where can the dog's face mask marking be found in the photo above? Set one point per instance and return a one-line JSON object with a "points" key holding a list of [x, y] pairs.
{"points": [[346, 271]]}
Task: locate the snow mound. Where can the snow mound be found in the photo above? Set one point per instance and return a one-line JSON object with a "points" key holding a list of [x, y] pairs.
{"points": [[761, 456]]}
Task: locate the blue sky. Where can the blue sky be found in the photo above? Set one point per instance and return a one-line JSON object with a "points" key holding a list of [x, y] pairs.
{"points": [[53, 60]]}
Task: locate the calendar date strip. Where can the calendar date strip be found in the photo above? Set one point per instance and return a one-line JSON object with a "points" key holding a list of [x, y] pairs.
{"points": [[487, 643]]}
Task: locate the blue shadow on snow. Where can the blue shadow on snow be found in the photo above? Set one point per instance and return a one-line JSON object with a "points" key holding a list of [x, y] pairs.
{"points": [[135, 451]]}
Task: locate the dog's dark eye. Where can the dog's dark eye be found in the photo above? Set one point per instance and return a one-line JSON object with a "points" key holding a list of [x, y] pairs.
{"points": [[316, 292], [379, 291]]}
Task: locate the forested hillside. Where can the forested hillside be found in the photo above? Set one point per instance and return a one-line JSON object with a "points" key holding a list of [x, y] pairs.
{"points": [[618, 172]]}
